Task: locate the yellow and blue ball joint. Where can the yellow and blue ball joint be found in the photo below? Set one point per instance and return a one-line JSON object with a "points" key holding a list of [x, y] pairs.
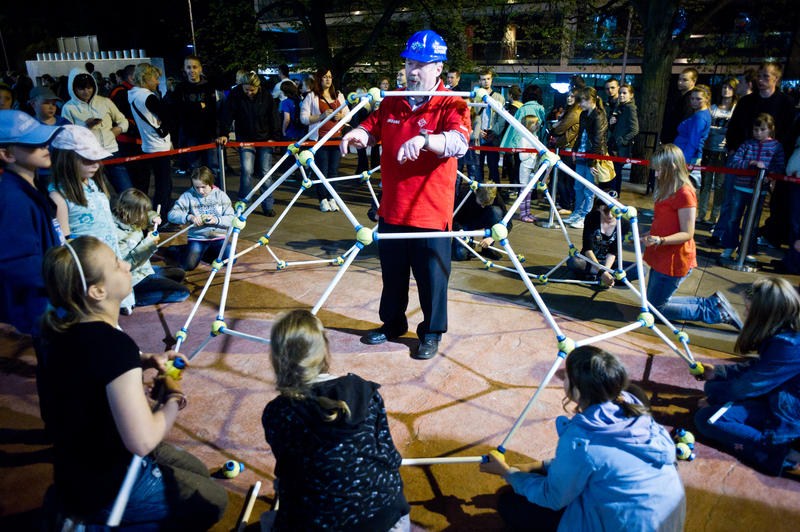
{"points": [[338, 261], [240, 206], [217, 265], [294, 149], [565, 346], [630, 213], [616, 212], [181, 335], [364, 236], [264, 240], [281, 265], [366, 175], [620, 275], [238, 223], [541, 186], [646, 319], [474, 185], [218, 326], [572, 250], [305, 157], [232, 468], [542, 279]]}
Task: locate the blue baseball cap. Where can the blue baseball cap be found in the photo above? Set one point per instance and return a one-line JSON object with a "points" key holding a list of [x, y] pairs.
{"points": [[17, 127]]}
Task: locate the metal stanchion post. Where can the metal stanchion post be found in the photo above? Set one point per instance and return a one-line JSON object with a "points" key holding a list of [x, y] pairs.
{"points": [[221, 162], [740, 265], [549, 224]]}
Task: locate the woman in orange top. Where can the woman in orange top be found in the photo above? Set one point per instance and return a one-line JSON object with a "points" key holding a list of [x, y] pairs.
{"points": [[670, 250]]}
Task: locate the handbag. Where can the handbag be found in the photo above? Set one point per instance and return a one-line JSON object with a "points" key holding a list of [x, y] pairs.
{"points": [[605, 171]]}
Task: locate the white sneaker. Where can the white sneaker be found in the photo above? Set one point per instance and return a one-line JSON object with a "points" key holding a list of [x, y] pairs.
{"points": [[333, 205], [324, 206], [577, 224]]}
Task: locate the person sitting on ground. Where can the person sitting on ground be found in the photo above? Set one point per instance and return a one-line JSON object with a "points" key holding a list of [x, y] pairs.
{"points": [[614, 466], [89, 377], [762, 393], [485, 211], [209, 210], [151, 284], [337, 467], [671, 252], [600, 245]]}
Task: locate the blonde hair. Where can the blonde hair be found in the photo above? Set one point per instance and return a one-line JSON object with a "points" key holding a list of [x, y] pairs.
{"points": [[132, 208], [62, 279], [143, 71], [67, 180], [299, 354], [670, 164], [531, 123], [243, 77], [774, 307], [705, 91]]}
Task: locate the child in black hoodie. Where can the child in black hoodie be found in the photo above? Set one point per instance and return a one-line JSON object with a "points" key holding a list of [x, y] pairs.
{"points": [[336, 462]]}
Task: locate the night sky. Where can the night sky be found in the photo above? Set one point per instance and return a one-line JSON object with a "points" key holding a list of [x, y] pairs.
{"points": [[161, 27]]}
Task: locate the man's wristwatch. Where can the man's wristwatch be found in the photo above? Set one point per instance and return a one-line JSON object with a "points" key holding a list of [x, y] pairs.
{"points": [[424, 135]]}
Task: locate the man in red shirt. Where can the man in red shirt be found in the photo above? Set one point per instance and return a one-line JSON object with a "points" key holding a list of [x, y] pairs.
{"points": [[421, 137]]}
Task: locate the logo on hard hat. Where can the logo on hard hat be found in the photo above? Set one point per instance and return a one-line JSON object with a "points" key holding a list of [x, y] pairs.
{"points": [[417, 46], [439, 48]]}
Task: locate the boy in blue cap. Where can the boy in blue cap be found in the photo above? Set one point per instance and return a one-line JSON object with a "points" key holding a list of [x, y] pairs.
{"points": [[27, 216]]}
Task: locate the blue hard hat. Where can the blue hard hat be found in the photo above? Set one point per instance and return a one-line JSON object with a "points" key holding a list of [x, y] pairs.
{"points": [[425, 46]]}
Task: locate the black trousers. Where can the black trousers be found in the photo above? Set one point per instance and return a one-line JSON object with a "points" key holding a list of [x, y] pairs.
{"points": [[429, 260]]}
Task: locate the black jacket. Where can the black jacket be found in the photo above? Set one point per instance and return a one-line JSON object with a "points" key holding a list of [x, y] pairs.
{"points": [[254, 119]]}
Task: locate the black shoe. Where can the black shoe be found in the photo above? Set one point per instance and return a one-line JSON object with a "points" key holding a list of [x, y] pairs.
{"points": [[372, 214], [270, 213], [713, 240], [379, 336], [169, 228], [427, 349]]}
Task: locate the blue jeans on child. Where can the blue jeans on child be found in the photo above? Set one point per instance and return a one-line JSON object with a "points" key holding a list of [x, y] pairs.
{"points": [[163, 286], [736, 216], [258, 160], [660, 288], [744, 431], [206, 250], [584, 197]]}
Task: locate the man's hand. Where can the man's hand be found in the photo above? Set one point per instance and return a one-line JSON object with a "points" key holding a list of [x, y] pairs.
{"points": [[410, 149], [221, 141], [358, 137]]}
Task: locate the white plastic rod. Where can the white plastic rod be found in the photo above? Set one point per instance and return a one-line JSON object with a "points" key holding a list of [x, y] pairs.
{"points": [[118, 509], [442, 460]]}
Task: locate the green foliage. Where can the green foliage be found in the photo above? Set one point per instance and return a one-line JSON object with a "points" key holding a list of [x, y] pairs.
{"points": [[229, 38]]}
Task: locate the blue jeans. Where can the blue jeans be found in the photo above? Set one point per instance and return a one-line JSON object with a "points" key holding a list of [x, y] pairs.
{"points": [[327, 160], [492, 160], [206, 250], [660, 288], [147, 506], [745, 432], [252, 159], [190, 161], [164, 286], [736, 216], [118, 175], [584, 197]]}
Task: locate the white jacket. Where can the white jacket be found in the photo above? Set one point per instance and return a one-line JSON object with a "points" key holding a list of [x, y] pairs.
{"points": [[310, 107], [79, 112], [152, 142]]}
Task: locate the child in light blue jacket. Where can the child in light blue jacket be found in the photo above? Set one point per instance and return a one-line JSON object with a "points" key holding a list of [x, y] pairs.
{"points": [[614, 467]]}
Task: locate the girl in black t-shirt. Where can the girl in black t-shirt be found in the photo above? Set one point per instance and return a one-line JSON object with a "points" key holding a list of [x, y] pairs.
{"points": [[94, 406]]}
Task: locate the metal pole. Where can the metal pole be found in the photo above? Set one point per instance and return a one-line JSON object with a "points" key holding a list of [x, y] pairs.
{"points": [[191, 25], [627, 43], [221, 162]]}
